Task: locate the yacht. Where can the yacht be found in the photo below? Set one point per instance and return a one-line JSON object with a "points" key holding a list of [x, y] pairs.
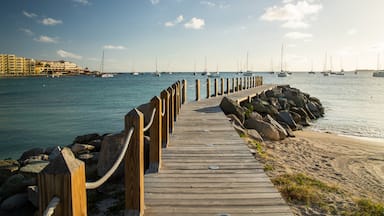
{"points": [[379, 73]]}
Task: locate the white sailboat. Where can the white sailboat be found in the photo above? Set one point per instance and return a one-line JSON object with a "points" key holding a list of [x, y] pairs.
{"points": [[102, 74], [157, 73], [282, 73], [247, 72], [378, 72]]}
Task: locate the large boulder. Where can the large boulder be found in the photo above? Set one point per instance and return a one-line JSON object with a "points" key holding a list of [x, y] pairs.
{"points": [[231, 107], [235, 121], [255, 115], [33, 167], [7, 169], [264, 108], [253, 134], [14, 184], [14, 202], [111, 147], [31, 152], [304, 117], [282, 132], [85, 139], [80, 148], [285, 116], [265, 129]]}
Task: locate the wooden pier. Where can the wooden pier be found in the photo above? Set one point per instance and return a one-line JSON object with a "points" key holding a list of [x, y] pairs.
{"points": [[198, 164], [207, 168]]}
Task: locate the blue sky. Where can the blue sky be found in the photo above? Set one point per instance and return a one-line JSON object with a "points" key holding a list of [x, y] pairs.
{"points": [[181, 33]]}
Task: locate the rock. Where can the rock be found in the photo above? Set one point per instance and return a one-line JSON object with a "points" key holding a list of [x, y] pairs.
{"points": [[7, 169], [234, 120], [33, 195], [231, 107], [285, 116], [275, 103], [296, 117], [34, 167], [287, 129], [85, 157], [283, 103], [255, 115], [314, 109], [14, 184], [304, 120], [30, 153], [254, 135], [78, 148], [265, 129], [269, 93], [54, 153], [86, 138], [280, 129], [96, 144], [14, 202], [110, 149], [263, 107]]}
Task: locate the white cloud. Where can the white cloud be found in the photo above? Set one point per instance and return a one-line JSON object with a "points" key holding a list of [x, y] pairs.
{"points": [[113, 47], [84, 2], [208, 3], [352, 31], [298, 35], [295, 24], [29, 15], [27, 31], [46, 39], [50, 21], [154, 2], [195, 23], [295, 15], [178, 20], [65, 54]]}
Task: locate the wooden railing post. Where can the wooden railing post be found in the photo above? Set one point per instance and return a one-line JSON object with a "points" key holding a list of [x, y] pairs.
{"points": [[228, 90], [184, 92], [178, 98], [134, 164], [216, 88], [171, 109], [64, 178], [197, 90], [174, 101], [208, 88], [165, 119], [222, 86], [155, 134], [241, 84], [233, 85]]}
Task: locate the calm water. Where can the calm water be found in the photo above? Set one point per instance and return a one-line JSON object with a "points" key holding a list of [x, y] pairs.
{"points": [[42, 112]]}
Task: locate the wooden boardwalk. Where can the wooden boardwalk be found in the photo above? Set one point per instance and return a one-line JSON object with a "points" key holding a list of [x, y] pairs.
{"points": [[207, 169]]}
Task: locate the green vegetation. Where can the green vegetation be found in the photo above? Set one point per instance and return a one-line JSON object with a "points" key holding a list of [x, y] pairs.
{"points": [[249, 110], [367, 207], [301, 189]]}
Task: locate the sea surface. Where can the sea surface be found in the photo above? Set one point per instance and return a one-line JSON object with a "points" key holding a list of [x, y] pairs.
{"points": [[43, 112]]}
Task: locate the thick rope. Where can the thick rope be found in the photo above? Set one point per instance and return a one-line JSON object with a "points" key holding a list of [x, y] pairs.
{"points": [[163, 111], [151, 121], [50, 210], [107, 175]]}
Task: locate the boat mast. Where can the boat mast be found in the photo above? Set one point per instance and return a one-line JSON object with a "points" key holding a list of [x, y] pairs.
{"points": [[281, 63], [102, 62], [205, 64], [247, 63], [156, 65]]}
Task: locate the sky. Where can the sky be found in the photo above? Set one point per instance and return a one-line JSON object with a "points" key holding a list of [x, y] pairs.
{"points": [[181, 34]]}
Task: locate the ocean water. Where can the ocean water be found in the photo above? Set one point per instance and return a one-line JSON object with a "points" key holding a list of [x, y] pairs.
{"points": [[43, 112]]}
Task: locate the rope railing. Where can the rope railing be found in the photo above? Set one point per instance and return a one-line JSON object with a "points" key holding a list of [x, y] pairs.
{"points": [[107, 175], [151, 121], [50, 210]]}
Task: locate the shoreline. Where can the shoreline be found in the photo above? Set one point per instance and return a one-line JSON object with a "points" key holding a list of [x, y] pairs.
{"points": [[354, 166]]}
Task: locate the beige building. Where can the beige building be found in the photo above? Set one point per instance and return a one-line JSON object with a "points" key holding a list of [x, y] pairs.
{"points": [[12, 65]]}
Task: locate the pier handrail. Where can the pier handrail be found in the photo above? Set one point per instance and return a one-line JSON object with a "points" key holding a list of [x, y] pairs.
{"points": [[150, 121], [165, 112], [108, 174], [50, 210]]}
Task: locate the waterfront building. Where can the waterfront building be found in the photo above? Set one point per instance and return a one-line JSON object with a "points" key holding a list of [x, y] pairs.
{"points": [[12, 65]]}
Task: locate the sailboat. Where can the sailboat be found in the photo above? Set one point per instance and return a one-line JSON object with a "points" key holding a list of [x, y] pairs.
{"points": [[325, 72], [217, 74], [157, 73], [311, 72], [378, 72], [205, 68], [102, 74], [247, 72], [282, 73]]}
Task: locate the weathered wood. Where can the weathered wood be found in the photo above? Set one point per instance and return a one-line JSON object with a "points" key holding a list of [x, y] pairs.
{"points": [[171, 109], [216, 92], [233, 85], [165, 119], [208, 88], [64, 178], [185, 87], [134, 164], [207, 169], [222, 86], [228, 86], [155, 146], [197, 90]]}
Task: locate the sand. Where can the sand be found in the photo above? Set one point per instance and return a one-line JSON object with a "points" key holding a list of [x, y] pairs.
{"points": [[355, 165]]}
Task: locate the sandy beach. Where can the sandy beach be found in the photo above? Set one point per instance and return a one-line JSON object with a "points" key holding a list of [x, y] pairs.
{"points": [[356, 166]]}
